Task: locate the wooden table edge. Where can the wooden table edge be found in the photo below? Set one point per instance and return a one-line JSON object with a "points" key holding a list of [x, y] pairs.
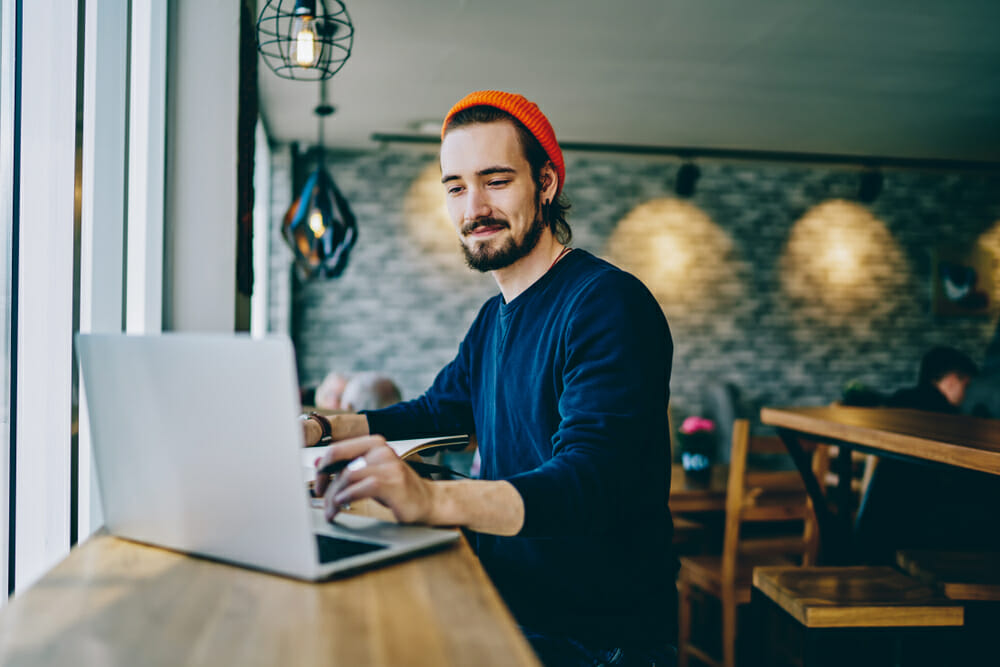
{"points": [[900, 443], [886, 616]]}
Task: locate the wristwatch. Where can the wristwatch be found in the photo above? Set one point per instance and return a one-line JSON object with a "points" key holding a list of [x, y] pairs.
{"points": [[324, 426]]}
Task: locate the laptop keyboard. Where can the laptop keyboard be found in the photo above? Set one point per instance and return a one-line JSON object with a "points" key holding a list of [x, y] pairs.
{"points": [[334, 548]]}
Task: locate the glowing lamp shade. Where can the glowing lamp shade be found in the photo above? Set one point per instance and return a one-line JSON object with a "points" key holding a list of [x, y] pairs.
{"points": [[305, 40], [320, 228]]}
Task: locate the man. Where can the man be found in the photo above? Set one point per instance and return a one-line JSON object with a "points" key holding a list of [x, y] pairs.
{"points": [[563, 378], [911, 504], [944, 376]]}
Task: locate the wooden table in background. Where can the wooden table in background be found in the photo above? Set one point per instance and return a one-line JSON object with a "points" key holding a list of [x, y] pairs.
{"points": [[953, 440], [114, 602], [689, 496]]}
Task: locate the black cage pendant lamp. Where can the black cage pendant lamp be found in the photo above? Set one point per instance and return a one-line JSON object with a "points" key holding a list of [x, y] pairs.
{"points": [[319, 225], [305, 40]]}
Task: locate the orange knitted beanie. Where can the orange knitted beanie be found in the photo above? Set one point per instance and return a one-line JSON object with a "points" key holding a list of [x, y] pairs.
{"points": [[525, 111]]}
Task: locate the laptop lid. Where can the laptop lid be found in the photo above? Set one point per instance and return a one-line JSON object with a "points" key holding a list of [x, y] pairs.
{"points": [[196, 443]]}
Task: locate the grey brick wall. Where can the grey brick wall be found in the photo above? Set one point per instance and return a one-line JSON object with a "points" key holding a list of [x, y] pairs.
{"points": [[770, 276]]}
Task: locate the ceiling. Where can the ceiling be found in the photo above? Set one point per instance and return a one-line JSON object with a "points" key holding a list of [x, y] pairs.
{"points": [[899, 78]]}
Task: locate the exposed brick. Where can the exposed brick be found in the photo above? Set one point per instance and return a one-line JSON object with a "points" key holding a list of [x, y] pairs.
{"points": [[405, 301]]}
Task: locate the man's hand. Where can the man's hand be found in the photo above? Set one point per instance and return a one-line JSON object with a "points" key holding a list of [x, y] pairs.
{"points": [[374, 471], [342, 427]]}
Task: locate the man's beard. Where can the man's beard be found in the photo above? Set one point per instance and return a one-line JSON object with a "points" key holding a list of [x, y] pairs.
{"points": [[483, 257]]}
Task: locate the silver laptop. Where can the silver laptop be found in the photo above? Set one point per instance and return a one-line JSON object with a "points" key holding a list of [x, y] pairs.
{"points": [[197, 444]]}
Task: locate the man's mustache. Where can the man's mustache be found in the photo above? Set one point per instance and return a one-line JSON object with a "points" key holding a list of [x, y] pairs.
{"points": [[473, 225]]}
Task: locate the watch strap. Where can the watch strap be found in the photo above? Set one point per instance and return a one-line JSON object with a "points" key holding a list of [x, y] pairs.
{"points": [[324, 427]]}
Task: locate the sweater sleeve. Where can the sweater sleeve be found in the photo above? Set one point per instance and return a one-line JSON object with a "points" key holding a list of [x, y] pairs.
{"points": [[444, 409], [611, 450]]}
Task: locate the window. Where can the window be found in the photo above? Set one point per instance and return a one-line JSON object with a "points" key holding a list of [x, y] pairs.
{"points": [[81, 241], [6, 257]]}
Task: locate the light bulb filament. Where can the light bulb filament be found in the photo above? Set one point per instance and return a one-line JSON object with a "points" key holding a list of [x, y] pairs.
{"points": [[316, 223], [304, 33]]}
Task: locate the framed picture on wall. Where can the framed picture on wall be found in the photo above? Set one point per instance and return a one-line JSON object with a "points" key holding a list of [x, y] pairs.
{"points": [[962, 281]]}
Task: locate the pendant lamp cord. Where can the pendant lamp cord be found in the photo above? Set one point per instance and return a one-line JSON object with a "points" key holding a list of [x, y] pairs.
{"points": [[322, 117]]}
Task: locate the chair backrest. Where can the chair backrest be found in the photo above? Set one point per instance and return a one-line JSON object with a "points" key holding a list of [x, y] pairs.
{"points": [[721, 403], [761, 501]]}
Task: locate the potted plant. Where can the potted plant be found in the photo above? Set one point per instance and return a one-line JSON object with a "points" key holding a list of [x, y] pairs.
{"points": [[697, 440]]}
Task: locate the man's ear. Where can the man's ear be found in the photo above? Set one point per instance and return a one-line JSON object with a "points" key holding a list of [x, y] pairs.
{"points": [[549, 183]]}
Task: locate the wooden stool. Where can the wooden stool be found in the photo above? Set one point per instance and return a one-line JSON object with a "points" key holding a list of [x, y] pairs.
{"points": [[972, 577], [959, 575], [855, 615]]}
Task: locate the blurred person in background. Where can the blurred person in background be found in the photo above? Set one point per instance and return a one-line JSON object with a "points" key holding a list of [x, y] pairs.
{"points": [[369, 391], [912, 504], [330, 391], [944, 376]]}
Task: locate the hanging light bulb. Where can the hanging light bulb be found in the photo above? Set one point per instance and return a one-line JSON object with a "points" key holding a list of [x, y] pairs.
{"points": [[316, 222], [305, 41]]}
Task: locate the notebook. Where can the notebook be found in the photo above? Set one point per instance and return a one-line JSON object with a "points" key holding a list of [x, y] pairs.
{"points": [[197, 447], [405, 449]]}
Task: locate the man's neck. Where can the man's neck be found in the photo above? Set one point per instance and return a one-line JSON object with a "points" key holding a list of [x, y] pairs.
{"points": [[523, 273]]}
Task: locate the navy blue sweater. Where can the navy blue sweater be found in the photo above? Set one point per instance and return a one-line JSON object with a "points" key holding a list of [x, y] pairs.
{"points": [[566, 389]]}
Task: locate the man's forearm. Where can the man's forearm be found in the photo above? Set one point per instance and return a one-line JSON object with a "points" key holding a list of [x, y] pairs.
{"points": [[347, 426], [342, 427], [483, 506]]}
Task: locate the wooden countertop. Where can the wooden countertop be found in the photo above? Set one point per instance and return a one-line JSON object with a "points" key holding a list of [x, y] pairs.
{"points": [[958, 440], [114, 602]]}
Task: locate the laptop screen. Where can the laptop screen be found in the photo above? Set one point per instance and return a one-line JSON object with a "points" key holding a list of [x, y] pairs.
{"points": [[333, 548]]}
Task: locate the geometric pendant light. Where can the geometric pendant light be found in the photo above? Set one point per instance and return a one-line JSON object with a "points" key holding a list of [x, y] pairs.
{"points": [[320, 226]]}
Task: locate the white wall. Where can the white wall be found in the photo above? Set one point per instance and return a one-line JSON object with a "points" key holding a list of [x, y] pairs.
{"points": [[200, 230]]}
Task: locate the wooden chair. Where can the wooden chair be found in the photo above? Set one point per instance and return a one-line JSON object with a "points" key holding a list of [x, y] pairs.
{"points": [[689, 536], [728, 576]]}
